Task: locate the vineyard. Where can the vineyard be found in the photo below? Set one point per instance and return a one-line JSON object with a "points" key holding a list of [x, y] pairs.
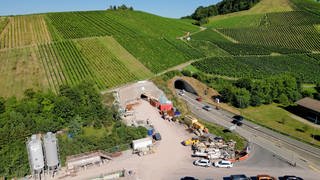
{"points": [[208, 48], [112, 48], [302, 67], [307, 5], [3, 22], [106, 47], [158, 54], [20, 69], [294, 37], [73, 25], [293, 18], [24, 31], [209, 35], [237, 21], [71, 62]]}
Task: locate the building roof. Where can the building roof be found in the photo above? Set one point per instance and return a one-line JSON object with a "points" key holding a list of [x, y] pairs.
{"points": [[310, 103]]}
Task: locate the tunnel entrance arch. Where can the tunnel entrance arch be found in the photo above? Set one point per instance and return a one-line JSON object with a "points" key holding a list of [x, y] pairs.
{"points": [[183, 85]]}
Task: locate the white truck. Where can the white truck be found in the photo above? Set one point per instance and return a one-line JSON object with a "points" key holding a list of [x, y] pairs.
{"points": [[141, 144]]}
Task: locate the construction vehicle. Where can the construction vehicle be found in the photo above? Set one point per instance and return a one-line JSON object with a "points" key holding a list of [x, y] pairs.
{"points": [[191, 141], [198, 126], [189, 120]]}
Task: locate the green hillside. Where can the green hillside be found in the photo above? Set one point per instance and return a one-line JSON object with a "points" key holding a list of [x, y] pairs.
{"points": [[109, 48], [114, 47], [265, 40]]}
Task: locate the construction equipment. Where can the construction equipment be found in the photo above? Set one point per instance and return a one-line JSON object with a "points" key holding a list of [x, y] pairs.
{"points": [[208, 153], [191, 141], [189, 120], [198, 126]]}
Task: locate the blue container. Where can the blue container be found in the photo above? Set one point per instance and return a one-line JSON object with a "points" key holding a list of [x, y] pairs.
{"points": [[150, 132]]}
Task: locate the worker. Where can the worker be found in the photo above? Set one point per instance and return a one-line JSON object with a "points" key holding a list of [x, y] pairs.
{"points": [[148, 121]]}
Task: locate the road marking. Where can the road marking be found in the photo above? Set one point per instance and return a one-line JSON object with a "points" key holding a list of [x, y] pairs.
{"points": [[313, 168]]}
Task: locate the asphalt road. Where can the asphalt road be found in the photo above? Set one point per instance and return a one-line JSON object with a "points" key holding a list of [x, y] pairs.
{"points": [[293, 151]]}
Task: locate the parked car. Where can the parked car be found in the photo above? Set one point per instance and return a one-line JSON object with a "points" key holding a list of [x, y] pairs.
{"points": [[291, 177], [239, 177], [202, 162], [199, 99], [265, 177], [189, 178], [157, 136], [223, 164], [181, 92], [207, 108], [237, 119]]}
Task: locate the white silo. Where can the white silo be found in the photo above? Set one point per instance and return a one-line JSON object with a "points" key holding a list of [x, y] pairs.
{"points": [[35, 153], [51, 151]]}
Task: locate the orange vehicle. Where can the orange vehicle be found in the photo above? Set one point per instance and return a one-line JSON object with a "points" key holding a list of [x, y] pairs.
{"points": [[265, 177], [199, 99]]}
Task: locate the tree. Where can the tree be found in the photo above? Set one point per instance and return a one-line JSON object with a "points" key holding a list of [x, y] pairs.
{"points": [[283, 99], [318, 87], [227, 93], [75, 125], [186, 73], [244, 83], [255, 100], [241, 98]]}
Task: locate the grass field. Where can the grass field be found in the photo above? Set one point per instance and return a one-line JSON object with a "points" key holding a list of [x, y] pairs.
{"points": [[23, 31], [275, 117], [264, 6], [21, 69]]}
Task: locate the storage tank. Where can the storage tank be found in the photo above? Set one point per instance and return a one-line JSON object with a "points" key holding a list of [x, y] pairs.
{"points": [[35, 153], [51, 150]]}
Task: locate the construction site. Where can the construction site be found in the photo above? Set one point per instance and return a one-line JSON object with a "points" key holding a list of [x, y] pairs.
{"points": [[176, 146]]}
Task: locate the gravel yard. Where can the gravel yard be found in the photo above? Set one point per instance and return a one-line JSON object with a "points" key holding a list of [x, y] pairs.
{"points": [[172, 160]]}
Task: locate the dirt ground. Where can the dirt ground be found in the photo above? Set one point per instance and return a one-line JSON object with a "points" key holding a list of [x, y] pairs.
{"points": [[172, 160], [170, 155]]}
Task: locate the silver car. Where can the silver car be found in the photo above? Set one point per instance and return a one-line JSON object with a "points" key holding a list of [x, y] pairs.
{"points": [[202, 162]]}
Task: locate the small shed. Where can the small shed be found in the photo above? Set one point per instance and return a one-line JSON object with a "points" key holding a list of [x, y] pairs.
{"points": [[309, 108]]}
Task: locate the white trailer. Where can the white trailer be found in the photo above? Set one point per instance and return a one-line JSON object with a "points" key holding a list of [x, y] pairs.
{"points": [[141, 143]]}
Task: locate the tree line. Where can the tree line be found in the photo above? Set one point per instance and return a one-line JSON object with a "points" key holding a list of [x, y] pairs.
{"points": [[201, 14], [122, 7], [70, 110], [241, 93]]}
